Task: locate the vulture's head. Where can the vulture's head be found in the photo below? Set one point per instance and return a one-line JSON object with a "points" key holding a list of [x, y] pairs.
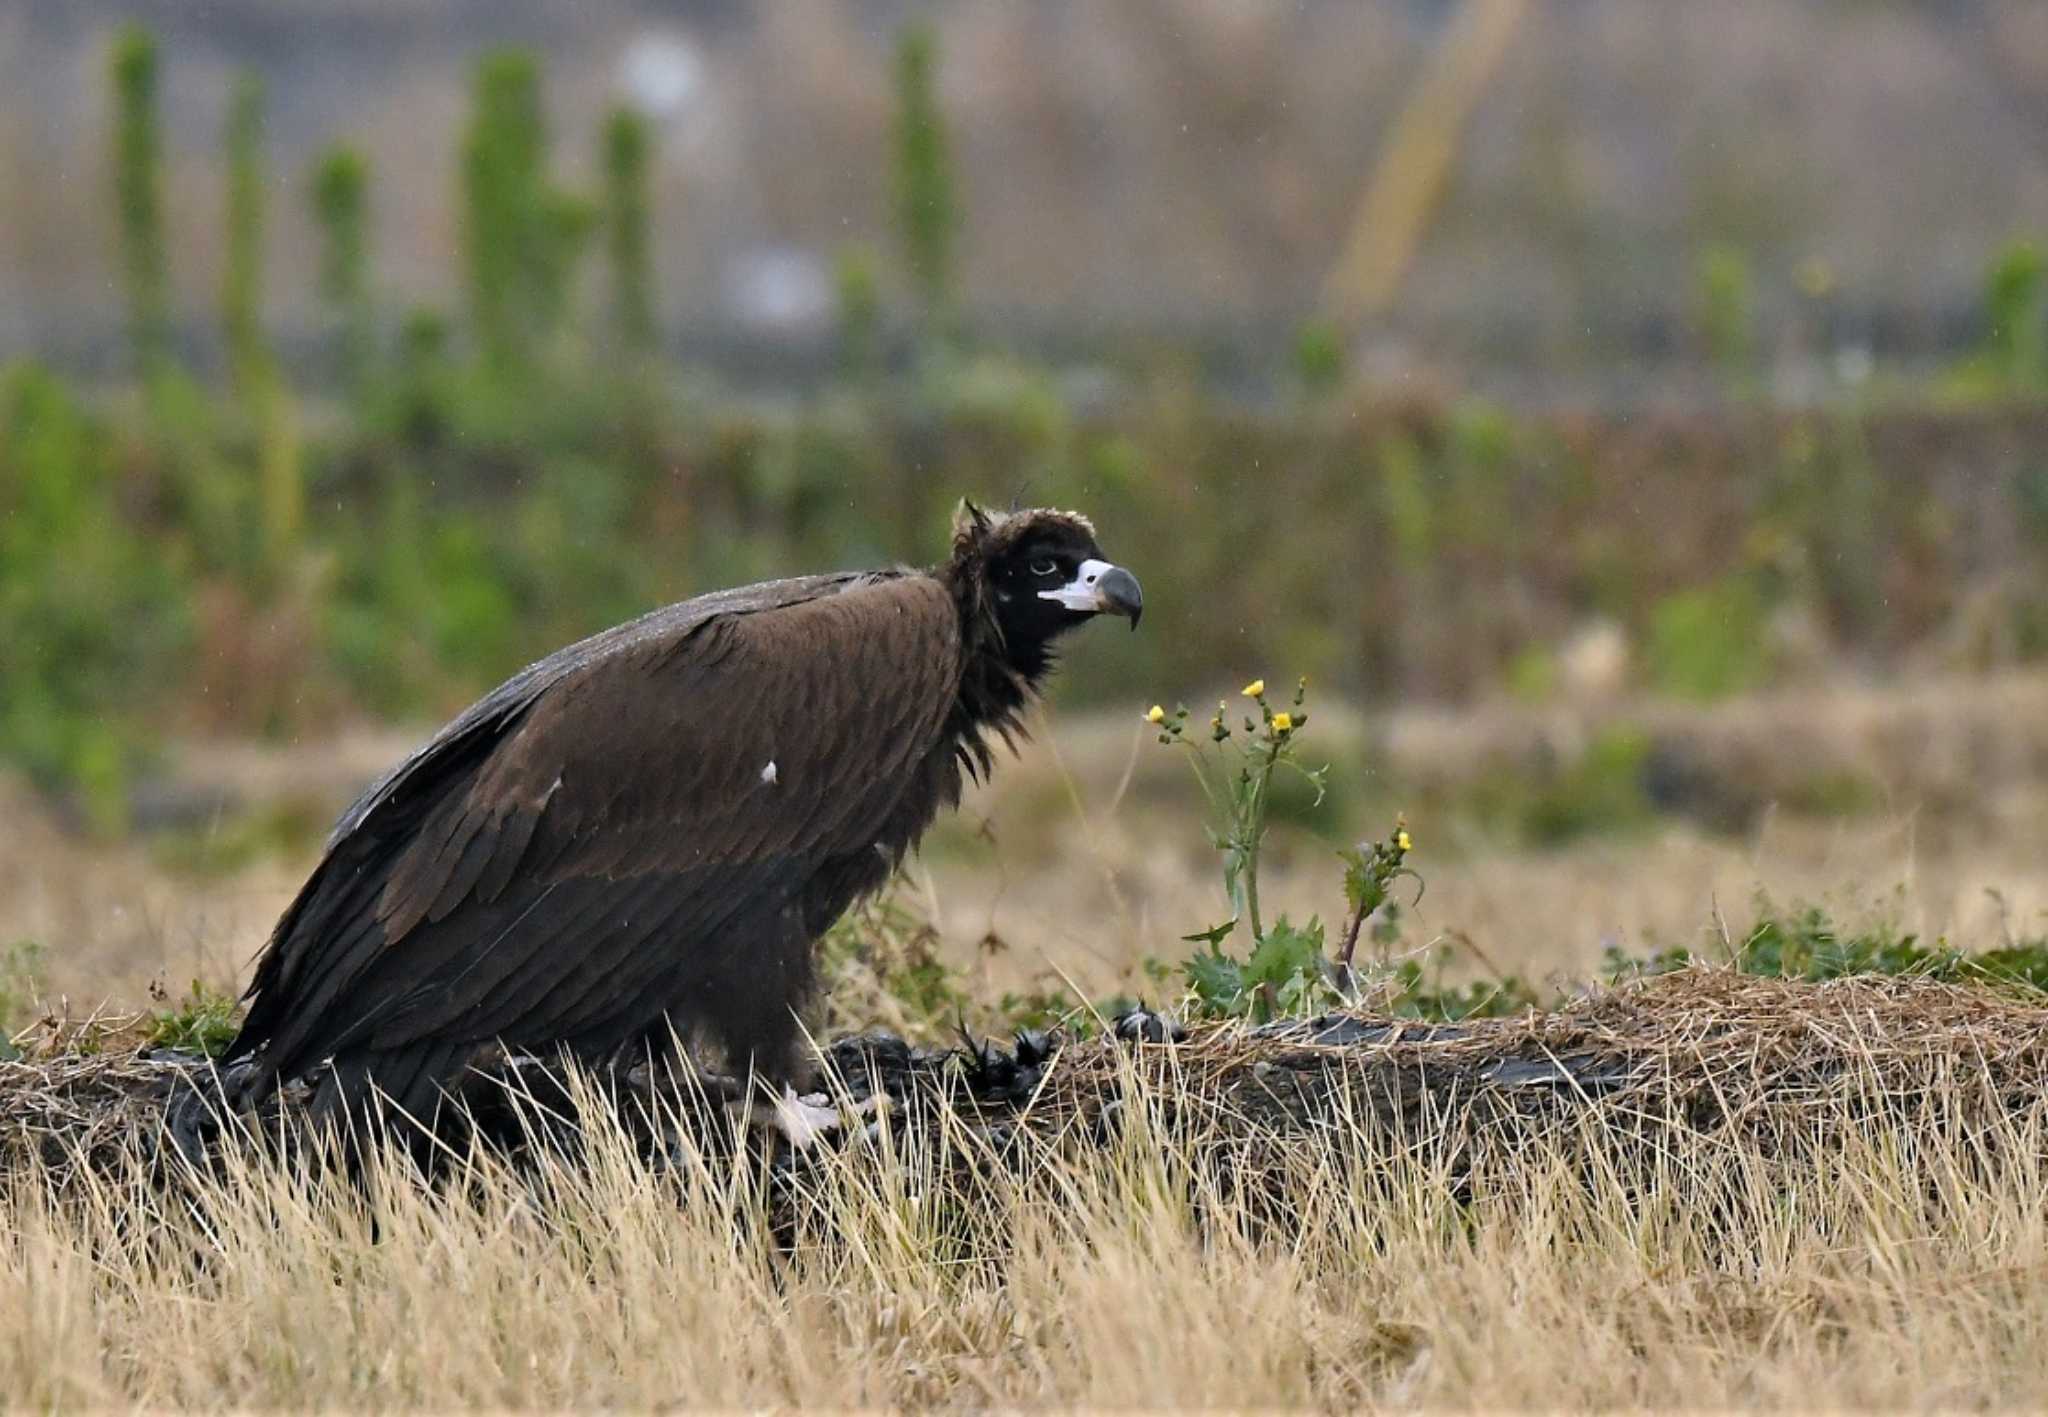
{"points": [[1035, 575]]}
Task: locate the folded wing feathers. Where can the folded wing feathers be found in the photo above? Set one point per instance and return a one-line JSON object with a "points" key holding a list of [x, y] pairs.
{"points": [[551, 849]]}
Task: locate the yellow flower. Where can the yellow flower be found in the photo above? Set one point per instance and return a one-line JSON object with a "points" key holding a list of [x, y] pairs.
{"points": [[1255, 688], [1282, 722], [1403, 841], [1155, 714]]}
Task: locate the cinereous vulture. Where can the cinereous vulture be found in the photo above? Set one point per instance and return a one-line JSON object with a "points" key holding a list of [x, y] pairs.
{"points": [[644, 834]]}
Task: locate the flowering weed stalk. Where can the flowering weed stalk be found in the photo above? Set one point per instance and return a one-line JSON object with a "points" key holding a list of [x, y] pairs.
{"points": [[1370, 870], [1236, 777], [1286, 972]]}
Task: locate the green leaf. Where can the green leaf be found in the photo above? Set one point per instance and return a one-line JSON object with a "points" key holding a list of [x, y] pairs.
{"points": [[1218, 981], [1298, 995], [1362, 892], [1287, 951]]}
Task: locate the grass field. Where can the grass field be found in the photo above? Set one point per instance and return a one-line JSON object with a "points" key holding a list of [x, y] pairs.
{"points": [[1859, 1224], [1858, 1235]]}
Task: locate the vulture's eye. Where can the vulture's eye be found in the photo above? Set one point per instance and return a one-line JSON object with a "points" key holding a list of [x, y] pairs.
{"points": [[1045, 566]]}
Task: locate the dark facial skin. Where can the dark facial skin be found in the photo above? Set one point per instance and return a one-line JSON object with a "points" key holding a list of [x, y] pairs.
{"points": [[1051, 562]]}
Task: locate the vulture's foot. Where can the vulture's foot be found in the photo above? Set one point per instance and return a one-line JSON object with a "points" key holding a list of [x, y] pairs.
{"points": [[802, 1120], [799, 1120]]}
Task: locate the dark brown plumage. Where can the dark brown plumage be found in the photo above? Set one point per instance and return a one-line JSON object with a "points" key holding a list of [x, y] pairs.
{"points": [[650, 829]]}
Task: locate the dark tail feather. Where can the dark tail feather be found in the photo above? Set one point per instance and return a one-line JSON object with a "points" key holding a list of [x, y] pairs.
{"points": [[383, 1088]]}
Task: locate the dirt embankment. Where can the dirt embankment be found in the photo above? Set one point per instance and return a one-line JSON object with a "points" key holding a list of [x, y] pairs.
{"points": [[1763, 1066]]}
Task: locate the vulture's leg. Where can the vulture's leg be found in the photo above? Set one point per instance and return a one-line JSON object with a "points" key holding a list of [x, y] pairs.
{"points": [[661, 1054], [747, 997], [768, 1045]]}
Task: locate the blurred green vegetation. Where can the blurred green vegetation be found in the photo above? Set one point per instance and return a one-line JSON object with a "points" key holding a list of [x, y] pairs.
{"points": [[1707, 641], [338, 192], [138, 194], [95, 611], [21, 972], [928, 212], [627, 215], [472, 491], [2014, 354], [522, 234], [236, 839], [1319, 357], [1602, 790], [1726, 315], [241, 293]]}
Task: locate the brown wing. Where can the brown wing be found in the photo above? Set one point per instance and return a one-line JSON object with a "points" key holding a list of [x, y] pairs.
{"points": [[546, 859]]}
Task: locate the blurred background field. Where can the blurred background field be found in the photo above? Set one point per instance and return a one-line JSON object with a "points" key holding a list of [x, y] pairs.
{"points": [[1632, 417]]}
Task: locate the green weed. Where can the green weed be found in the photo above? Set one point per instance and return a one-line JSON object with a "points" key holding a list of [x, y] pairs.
{"points": [[1807, 944], [1416, 991], [880, 964], [204, 1021]]}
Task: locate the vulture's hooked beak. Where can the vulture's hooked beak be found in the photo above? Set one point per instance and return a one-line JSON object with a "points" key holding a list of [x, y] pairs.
{"points": [[1103, 588]]}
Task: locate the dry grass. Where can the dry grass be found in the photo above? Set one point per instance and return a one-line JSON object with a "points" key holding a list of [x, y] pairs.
{"points": [[1857, 1223]]}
